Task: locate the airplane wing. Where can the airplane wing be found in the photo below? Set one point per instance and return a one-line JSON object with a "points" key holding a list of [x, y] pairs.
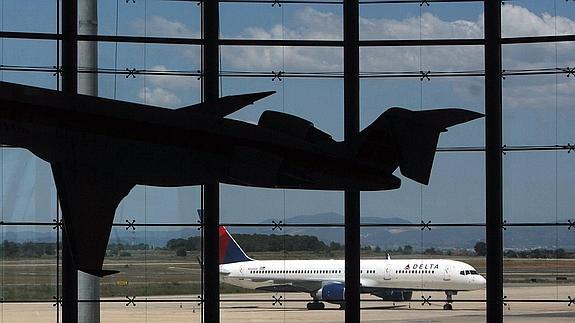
{"points": [[296, 286], [224, 106], [389, 294]]}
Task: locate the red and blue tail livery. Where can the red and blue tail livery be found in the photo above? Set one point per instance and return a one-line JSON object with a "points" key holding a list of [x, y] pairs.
{"points": [[230, 251]]}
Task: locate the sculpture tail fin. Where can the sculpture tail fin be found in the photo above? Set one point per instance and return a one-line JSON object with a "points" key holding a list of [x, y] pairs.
{"points": [[408, 139]]}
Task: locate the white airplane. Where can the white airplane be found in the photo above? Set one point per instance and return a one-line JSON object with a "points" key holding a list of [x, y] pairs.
{"points": [[391, 280]]}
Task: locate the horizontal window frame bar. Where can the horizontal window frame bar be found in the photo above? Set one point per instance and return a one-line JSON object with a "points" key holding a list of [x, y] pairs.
{"points": [[198, 301], [306, 225], [288, 42], [505, 148]]}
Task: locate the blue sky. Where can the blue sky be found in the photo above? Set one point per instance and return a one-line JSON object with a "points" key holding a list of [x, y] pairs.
{"points": [[538, 109]]}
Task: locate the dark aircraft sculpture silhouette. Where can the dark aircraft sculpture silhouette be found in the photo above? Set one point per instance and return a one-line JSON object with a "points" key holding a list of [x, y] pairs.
{"points": [[99, 149]]}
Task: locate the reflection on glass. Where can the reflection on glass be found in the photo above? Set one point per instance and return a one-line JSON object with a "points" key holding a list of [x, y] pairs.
{"points": [[29, 193]]}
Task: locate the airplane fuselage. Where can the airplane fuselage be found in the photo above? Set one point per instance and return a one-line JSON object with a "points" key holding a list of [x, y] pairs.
{"points": [[400, 274]]}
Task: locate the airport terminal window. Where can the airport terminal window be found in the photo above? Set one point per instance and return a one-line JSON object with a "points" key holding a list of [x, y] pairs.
{"points": [[413, 54]]}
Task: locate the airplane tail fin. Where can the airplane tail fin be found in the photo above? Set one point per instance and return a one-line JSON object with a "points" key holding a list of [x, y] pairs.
{"points": [[410, 137], [230, 251]]}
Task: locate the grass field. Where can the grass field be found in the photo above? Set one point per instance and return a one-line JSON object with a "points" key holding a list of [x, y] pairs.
{"points": [[160, 272]]}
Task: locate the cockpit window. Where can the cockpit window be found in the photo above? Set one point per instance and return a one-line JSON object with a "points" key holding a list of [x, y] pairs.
{"points": [[468, 272]]}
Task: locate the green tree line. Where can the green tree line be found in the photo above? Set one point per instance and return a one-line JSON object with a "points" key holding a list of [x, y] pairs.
{"points": [[10, 249], [260, 242]]}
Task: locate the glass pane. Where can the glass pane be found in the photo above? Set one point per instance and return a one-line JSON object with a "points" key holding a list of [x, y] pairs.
{"points": [[28, 263], [530, 187], [529, 113], [323, 106], [321, 22], [465, 93], [456, 192], [537, 270], [389, 60], [389, 21], [30, 312], [169, 84], [29, 193], [154, 262], [431, 260], [523, 18], [169, 19], [377, 95], [29, 62], [298, 60], [538, 56], [289, 254], [421, 21], [29, 16], [250, 21], [452, 59]]}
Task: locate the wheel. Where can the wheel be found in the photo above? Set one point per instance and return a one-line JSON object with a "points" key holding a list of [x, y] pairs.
{"points": [[447, 307], [315, 306]]}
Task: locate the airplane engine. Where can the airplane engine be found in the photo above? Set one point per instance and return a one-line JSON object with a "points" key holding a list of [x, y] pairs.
{"points": [[292, 125], [332, 293], [393, 295]]}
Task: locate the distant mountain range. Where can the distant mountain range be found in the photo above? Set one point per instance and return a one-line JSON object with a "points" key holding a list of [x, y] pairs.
{"points": [[384, 237]]}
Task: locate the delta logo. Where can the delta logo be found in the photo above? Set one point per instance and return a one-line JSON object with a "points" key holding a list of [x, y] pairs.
{"points": [[422, 266]]}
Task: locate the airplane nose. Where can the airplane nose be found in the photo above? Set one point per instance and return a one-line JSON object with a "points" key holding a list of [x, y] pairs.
{"points": [[481, 282]]}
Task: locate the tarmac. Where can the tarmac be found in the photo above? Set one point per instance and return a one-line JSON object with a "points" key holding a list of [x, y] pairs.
{"points": [[529, 303]]}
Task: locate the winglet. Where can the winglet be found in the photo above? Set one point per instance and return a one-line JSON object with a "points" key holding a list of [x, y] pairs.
{"points": [[224, 106]]}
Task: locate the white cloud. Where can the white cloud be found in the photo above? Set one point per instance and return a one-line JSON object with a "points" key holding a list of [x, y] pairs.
{"points": [[163, 27], [525, 93], [159, 97], [173, 82], [161, 90], [311, 23], [518, 22]]}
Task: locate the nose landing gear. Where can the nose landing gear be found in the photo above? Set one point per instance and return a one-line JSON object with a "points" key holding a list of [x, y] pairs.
{"points": [[449, 300]]}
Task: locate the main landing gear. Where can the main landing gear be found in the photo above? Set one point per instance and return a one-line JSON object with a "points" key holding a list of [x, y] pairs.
{"points": [[315, 305], [449, 294]]}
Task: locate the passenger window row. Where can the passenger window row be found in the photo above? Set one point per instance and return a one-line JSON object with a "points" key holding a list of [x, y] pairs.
{"points": [[415, 271], [295, 271]]}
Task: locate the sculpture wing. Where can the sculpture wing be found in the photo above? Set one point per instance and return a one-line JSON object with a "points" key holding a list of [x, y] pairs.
{"points": [[224, 106]]}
